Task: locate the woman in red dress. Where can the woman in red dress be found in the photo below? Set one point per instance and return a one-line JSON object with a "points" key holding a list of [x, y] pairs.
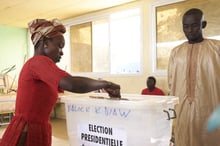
{"points": [[39, 82]]}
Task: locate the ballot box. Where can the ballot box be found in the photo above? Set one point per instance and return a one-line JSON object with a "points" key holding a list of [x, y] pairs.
{"points": [[134, 120]]}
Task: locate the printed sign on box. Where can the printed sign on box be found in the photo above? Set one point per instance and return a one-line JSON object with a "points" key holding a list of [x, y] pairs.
{"points": [[90, 134]]}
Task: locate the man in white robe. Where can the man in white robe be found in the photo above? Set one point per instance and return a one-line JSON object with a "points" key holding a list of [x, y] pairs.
{"points": [[194, 77]]}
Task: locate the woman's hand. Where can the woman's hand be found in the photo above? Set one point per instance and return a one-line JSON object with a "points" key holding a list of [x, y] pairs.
{"points": [[113, 90]]}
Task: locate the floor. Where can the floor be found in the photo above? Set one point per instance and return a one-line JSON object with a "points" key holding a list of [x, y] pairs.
{"points": [[59, 136]]}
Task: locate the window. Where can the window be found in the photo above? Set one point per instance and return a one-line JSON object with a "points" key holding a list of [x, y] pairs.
{"points": [[110, 44]]}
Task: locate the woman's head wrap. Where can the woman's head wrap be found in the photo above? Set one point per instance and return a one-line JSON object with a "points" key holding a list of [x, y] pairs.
{"points": [[40, 28]]}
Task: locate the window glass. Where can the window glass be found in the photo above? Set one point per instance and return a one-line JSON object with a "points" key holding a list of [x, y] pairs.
{"points": [[111, 44]]}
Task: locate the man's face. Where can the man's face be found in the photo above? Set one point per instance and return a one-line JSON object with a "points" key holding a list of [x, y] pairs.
{"points": [[192, 27], [150, 83], [54, 48]]}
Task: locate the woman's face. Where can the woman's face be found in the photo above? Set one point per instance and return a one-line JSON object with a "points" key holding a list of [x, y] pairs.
{"points": [[54, 48]]}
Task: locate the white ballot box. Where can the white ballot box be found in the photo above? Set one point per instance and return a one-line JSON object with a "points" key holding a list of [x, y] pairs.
{"points": [[135, 120]]}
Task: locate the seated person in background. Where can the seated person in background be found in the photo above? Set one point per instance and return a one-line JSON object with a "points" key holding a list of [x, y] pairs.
{"points": [[151, 87]]}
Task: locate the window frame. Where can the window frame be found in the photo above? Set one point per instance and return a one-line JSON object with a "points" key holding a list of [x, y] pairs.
{"points": [[97, 16], [153, 45]]}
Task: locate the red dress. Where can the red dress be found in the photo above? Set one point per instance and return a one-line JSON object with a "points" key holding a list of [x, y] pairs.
{"points": [[36, 96]]}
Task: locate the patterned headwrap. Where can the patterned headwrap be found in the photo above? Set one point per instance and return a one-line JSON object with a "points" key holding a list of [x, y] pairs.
{"points": [[40, 28]]}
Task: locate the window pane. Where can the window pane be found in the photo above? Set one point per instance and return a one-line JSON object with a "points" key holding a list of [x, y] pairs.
{"points": [[125, 42], [81, 50], [100, 46]]}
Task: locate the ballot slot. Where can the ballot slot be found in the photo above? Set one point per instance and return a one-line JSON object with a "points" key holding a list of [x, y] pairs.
{"points": [[108, 98]]}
